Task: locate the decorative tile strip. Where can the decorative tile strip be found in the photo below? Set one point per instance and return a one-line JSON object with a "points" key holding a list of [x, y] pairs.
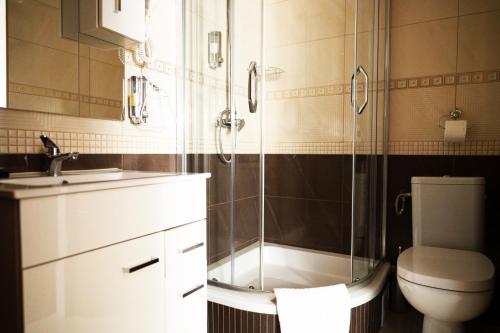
{"points": [[327, 90], [446, 80], [212, 82], [403, 83], [19, 88], [158, 65]]}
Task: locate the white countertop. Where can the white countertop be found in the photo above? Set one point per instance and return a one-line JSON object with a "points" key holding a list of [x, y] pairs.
{"points": [[118, 179]]}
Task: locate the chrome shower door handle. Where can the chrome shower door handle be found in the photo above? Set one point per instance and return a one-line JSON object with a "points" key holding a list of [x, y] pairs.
{"points": [[359, 70], [353, 89], [252, 78]]}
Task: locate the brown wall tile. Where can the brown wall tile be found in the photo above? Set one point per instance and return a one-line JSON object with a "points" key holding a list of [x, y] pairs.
{"points": [[151, 162]]}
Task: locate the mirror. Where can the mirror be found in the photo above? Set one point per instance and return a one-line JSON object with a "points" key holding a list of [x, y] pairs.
{"points": [[40, 70]]}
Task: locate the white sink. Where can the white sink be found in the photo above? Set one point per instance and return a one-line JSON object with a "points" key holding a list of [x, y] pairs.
{"points": [[78, 177]]}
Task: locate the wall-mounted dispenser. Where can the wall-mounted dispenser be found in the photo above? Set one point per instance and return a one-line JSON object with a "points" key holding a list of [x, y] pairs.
{"points": [[137, 99], [139, 90], [215, 49]]}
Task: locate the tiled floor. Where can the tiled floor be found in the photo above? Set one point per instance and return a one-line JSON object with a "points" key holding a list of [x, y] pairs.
{"points": [[411, 322]]}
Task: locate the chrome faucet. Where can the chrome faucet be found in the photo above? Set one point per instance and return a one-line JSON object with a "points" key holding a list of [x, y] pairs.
{"points": [[55, 157]]}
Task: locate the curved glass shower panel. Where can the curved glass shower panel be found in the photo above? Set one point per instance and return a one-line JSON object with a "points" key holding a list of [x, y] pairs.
{"points": [[207, 96], [367, 137], [224, 52], [307, 196], [247, 146]]}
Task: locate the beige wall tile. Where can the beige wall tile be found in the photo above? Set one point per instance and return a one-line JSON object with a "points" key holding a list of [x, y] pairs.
{"points": [[325, 62], [317, 119], [477, 6], [365, 55], [327, 19], [107, 56], [104, 112], [415, 113], [29, 102], [84, 76], [43, 104], [320, 119], [106, 80], [364, 121], [366, 16], [36, 22], [480, 105], [424, 49], [65, 107], [42, 67], [478, 42], [276, 24], [415, 11]]}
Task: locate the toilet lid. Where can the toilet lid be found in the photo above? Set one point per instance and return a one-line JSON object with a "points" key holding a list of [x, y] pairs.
{"points": [[449, 269]]}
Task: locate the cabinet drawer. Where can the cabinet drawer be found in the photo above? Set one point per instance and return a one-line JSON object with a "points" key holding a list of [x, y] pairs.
{"points": [[51, 229], [119, 288], [185, 256], [185, 277]]}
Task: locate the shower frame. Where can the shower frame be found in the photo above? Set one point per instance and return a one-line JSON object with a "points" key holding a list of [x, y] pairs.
{"points": [[184, 137]]}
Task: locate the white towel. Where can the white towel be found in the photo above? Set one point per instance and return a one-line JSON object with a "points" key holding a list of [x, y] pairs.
{"points": [[315, 310]]}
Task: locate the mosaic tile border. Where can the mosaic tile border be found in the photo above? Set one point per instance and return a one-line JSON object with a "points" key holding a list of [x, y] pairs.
{"points": [[27, 141], [440, 80], [25, 89], [474, 148], [486, 147]]}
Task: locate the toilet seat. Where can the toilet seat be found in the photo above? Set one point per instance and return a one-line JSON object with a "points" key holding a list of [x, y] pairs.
{"points": [[449, 269]]}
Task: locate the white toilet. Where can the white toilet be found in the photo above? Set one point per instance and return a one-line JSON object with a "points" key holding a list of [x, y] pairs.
{"points": [[442, 275]]}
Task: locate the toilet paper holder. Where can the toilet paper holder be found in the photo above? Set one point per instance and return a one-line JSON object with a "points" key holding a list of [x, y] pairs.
{"points": [[452, 115]]}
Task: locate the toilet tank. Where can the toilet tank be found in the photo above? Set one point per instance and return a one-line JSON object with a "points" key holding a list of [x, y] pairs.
{"points": [[448, 212]]}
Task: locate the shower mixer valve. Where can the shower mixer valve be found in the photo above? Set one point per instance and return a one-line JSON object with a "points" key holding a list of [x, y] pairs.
{"points": [[224, 120]]}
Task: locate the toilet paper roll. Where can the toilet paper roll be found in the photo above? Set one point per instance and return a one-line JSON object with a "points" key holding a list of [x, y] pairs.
{"points": [[455, 131]]}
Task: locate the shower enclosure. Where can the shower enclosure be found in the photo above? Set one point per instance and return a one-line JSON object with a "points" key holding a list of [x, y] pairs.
{"points": [[285, 103]]}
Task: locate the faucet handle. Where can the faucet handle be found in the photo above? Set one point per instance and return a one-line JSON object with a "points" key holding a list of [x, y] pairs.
{"points": [[52, 148]]}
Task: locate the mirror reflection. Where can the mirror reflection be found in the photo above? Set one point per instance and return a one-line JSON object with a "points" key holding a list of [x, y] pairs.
{"points": [[48, 66]]}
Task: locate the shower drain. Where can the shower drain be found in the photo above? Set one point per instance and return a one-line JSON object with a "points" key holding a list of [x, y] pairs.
{"points": [[251, 287]]}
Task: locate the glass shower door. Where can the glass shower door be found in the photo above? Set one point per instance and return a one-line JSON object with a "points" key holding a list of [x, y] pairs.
{"points": [[246, 84], [367, 126], [224, 57]]}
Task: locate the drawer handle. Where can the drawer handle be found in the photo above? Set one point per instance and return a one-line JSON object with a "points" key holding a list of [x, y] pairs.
{"points": [[192, 291], [194, 247], [118, 6], [141, 266]]}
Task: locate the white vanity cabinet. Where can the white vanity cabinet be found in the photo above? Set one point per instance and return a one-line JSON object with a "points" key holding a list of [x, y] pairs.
{"points": [[115, 256]]}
